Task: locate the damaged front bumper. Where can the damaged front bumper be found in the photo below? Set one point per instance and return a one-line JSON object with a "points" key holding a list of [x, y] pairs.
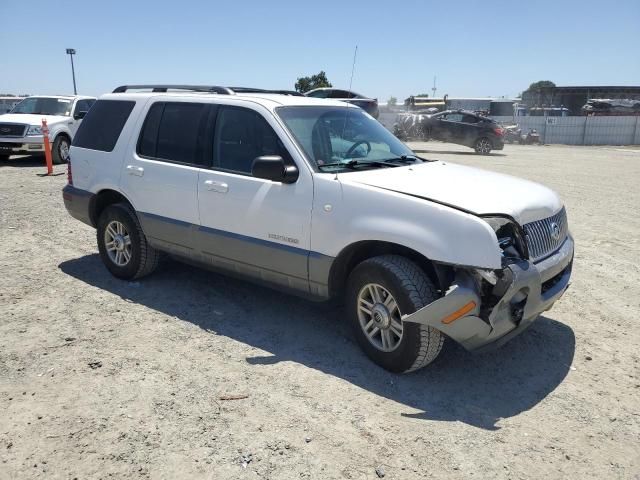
{"points": [[524, 290]]}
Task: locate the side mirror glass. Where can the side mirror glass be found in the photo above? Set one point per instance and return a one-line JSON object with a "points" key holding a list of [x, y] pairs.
{"points": [[79, 115], [272, 167]]}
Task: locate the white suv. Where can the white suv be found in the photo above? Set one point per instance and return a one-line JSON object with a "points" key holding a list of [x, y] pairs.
{"points": [[316, 197], [21, 128]]}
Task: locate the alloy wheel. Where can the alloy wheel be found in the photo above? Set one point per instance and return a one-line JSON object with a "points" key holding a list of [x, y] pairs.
{"points": [[117, 242], [380, 317]]}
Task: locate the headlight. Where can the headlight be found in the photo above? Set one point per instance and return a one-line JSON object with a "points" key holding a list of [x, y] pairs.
{"points": [[509, 235], [34, 130]]}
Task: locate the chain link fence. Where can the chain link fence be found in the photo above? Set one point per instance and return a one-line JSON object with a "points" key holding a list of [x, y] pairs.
{"points": [[597, 130]]}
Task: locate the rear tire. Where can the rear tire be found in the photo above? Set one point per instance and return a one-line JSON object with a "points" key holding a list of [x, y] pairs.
{"points": [[483, 146], [391, 286], [122, 244], [60, 150]]}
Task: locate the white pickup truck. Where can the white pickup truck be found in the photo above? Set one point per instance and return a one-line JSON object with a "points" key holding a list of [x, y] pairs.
{"points": [[317, 198], [21, 128]]}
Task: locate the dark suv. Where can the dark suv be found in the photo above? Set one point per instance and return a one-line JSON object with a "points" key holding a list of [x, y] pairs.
{"points": [[454, 126], [369, 105]]}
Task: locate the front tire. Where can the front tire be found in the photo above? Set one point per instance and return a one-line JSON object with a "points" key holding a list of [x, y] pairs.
{"points": [[123, 247], [381, 290], [483, 146], [60, 150]]}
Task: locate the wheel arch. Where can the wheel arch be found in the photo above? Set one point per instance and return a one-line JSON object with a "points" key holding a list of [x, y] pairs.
{"points": [[440, 274], [102, 200]]}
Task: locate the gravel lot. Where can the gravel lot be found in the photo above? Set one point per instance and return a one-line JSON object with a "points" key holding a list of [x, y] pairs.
{"points": [[190, 374]]}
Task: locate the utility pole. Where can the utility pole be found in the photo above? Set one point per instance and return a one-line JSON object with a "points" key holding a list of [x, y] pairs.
{"points": [[71, 52], [434, 87]]}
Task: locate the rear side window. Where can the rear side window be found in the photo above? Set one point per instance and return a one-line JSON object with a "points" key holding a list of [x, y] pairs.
{"points": [[174, 131], [103, 124]]}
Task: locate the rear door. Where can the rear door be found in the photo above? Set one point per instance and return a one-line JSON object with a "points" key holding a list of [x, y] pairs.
{"points": [[160, 175], [470, 129], [250, 225]]}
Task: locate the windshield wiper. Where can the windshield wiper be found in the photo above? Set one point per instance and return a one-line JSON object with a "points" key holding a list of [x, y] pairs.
{"points": [[353, 164], [404, 159]]}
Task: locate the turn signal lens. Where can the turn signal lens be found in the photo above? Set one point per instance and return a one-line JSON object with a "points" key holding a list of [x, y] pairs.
{"points": [[461, 312]]}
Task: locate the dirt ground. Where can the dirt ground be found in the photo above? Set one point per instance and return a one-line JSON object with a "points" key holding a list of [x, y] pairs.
{"points": [[188, 374]]}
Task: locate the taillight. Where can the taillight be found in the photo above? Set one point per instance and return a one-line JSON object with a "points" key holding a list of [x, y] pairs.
{"points": [[69, 175], [499, 131]]}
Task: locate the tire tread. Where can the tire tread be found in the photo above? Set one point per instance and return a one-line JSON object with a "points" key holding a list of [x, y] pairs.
{"points": [[149, 256], [422, 292]]}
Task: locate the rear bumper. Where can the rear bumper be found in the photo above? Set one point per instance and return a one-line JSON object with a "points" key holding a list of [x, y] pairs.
{"points": [[78, 203], [524, 290]]}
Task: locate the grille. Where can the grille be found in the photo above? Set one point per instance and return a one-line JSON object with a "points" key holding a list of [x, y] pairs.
{"points": [[12, 130], [545, 236]]}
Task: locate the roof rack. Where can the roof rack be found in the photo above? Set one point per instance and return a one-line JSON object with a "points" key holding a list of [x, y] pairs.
{"points": [[293, 93], [164, 88], [204, 89]]}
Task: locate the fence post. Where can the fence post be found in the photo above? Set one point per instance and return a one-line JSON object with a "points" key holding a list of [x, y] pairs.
{"points": [[635, 132], [584, 131]]}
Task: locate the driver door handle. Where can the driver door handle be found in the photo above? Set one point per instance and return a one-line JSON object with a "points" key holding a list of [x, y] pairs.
{"points": [[215, 186]]}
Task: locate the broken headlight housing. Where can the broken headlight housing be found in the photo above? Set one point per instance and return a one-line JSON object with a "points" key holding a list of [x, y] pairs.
{"points": [[510, 236]]}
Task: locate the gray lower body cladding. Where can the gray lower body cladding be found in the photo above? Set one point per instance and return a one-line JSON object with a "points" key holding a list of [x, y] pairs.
{"points": [[525, 291], [295, 269], [78, 203]]}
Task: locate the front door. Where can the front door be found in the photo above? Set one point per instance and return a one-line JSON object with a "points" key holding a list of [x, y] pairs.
{"points": [[250, 225], [451, 128]]}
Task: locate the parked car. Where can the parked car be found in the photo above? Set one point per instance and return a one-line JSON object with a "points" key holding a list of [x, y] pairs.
{"points": [[21, 128], [369, 105], [455, 126], [315, 197]]}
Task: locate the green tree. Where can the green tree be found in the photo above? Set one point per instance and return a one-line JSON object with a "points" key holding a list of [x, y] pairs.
{"points": [[319, 80], [392, 102], [540, 84]]}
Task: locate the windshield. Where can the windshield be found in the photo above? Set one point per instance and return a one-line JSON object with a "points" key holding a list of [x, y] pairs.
{"points": [[332, 137], [44, 106]]}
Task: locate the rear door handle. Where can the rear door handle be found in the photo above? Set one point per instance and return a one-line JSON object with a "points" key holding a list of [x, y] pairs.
{"points": [[214, 186], [133, 170]]}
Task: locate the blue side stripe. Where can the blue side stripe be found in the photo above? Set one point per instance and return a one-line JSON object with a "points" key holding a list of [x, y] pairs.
{"points": [[237, 236], [257, 241]]}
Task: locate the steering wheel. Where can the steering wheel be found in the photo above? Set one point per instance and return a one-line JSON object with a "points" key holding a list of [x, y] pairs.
{"points": [[356, 145]]}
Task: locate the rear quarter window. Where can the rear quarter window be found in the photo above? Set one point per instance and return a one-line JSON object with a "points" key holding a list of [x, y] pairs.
{"points": [[103, 124]]}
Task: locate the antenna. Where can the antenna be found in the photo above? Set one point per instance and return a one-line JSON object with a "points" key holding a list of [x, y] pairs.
{"points": [[434, 86], [353, 67]]}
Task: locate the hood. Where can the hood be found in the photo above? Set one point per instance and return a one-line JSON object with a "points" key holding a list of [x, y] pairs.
{"points": [[477, 191], [30, 119]]}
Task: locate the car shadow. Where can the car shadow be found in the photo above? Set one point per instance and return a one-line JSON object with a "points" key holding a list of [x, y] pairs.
{"points": [[478, 390], [457, 152], [24, 161]]}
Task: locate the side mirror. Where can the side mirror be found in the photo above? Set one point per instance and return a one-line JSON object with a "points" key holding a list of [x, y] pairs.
{"points": [[272, 167], [79, 115]]}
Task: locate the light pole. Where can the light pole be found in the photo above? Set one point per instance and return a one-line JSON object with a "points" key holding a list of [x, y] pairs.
{"points": [[71, 52]]}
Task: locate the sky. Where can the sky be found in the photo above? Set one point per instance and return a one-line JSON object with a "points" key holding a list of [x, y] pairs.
{"points": [[474, 48]]}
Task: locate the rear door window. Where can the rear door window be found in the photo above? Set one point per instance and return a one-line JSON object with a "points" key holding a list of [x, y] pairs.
{"points": [[175, 131], [103, 124]]}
